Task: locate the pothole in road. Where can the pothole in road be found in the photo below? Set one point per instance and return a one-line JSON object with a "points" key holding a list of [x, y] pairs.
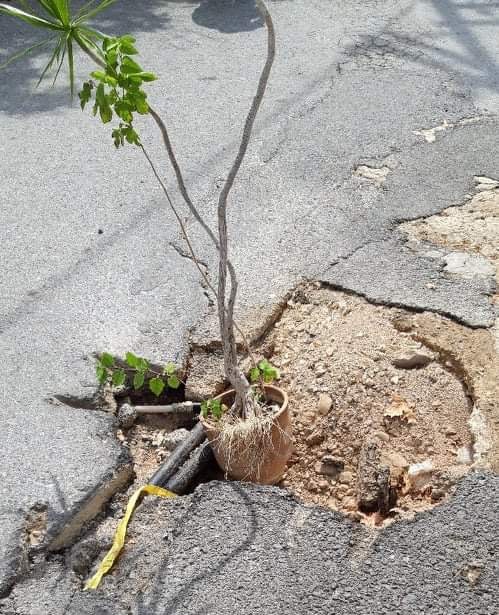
{"points": [[382, 422]]}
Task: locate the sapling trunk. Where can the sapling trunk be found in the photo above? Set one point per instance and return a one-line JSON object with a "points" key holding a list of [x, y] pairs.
{"points": [[232, 371], [244, 401]]}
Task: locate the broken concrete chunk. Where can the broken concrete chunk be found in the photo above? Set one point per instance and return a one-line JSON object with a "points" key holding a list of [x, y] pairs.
{"points": [[410, 359], [377, 175], [468, 265], [174, 438], [485, 183], [464, 455], [419, 475], [325, 403], [373, 480]]}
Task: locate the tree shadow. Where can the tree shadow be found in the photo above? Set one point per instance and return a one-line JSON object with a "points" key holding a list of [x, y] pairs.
{"points": [[228, 16], [150, 604], [468, 58], [18, 92]]}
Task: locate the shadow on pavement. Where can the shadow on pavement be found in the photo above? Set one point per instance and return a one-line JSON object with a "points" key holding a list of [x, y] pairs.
{"points": [[228, 16], [18, 94], [247, 525], [468, 56]]}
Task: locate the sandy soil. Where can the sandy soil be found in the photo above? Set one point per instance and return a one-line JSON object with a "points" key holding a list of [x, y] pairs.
{"points": [[353, 378]]}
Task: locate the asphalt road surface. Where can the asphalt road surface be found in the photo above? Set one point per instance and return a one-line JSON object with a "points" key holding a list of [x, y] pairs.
{"points": [[92, 260]]}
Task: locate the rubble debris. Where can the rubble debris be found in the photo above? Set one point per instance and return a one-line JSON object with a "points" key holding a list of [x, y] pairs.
{"points": [[373, 480]]}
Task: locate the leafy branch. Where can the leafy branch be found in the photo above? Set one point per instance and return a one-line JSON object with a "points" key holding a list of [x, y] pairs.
{"points": [[119, 88], [138, 372]]}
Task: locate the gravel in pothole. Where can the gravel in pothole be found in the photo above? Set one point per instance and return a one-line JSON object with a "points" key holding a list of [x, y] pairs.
{"points": [[380, 424]]}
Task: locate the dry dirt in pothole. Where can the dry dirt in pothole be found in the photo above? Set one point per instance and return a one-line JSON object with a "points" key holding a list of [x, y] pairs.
{"points": [[337, 355], [146, 450]]}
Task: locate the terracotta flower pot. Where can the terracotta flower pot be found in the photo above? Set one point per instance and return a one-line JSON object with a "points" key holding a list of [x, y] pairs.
{"points": [[267, 463]]}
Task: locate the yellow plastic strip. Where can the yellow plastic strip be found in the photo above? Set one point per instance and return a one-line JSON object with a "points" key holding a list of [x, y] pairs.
{"points": [[119, 538]]}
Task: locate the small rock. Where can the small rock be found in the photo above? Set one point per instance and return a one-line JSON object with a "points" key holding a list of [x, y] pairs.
{"points": [[450, 431], [472, 572], [349, 503], [381, 435], [325, 403], [346, 477], [395, 460], [411, 359], [394, 380], [437, 494], [174, 438], [316, 437], [419, 475], [464, 455], [126, 415], [83, 554], [329, 466], [308, 418]]}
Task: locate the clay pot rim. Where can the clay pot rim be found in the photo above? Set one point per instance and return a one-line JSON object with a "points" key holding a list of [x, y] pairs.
{"points": [[281, 392]]}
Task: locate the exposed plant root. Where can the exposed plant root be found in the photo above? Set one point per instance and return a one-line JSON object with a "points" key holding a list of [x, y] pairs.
{"points": [[249, 441]]}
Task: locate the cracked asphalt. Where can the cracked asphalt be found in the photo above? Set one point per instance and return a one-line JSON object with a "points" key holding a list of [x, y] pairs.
{"points": [[88, 264]]}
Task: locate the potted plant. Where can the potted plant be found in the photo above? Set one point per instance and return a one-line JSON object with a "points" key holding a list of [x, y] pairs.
{"points": [[248, 426]]}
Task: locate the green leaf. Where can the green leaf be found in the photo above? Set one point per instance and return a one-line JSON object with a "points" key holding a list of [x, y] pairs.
{"points": [[27, 51], [131, 136], [107, 359], [119, 377], [55, 56], [85, 95], [85, 14], [127, 38], [98, 74], [30, 18], [128, 48], [216, 409], [122, 109], [138, 380], [213, 407], [173, 382], [131, 359], [156, 385], [254, 374], [101, 373], [170, 369], [142, 364], [130, 66], [145, 76], [117, 137]]}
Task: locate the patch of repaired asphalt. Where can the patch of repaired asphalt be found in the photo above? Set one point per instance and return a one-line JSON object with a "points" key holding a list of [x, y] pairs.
{"points": [[239, 548]]}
